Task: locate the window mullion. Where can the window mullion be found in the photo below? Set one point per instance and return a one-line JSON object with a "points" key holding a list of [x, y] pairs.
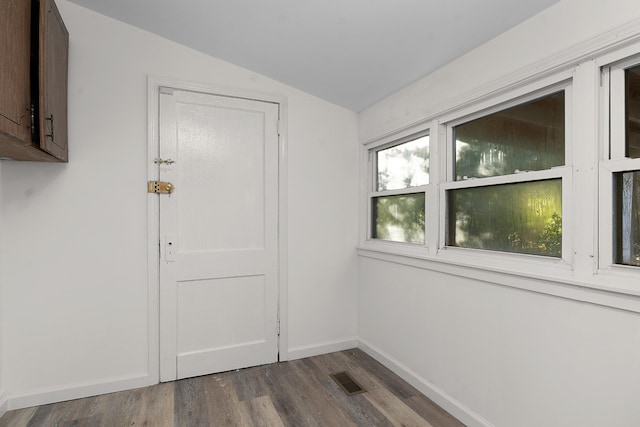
{"points": [[433, 220], [579, 193]]}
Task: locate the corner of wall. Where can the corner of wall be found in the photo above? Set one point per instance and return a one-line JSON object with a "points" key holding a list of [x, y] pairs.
{"points": [[3, 402], [439, 396], [322, 348]]}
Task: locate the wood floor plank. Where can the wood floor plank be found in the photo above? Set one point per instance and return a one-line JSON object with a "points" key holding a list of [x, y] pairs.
{"points": [[285, 398], [222, 402], [398, 413], [156, 407], [318, 403], [249, 383], [91, 409], [123, 407], [207, 401], [190, 405], [85, 413], [261, 412], [431, 412], [19, 417], [53, 414]]}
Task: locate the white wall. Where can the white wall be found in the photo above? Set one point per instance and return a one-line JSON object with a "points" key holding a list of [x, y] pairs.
{"points": [[74, 251], [564, 25], [498, 349], [507, 356]]}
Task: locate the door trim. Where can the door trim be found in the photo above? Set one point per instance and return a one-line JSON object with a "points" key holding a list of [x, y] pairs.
{"points": [[153, 210]]}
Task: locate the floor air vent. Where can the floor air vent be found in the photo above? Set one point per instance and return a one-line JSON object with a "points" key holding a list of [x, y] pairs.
{"points": [[348, 384]]}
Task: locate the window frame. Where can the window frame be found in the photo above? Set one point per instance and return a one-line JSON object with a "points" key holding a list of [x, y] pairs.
{"points": [[564, 172], [613, 159], [370, 182], [588, 273]]}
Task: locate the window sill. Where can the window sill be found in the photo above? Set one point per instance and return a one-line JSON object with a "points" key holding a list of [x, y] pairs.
{"points": [[617, 288]]}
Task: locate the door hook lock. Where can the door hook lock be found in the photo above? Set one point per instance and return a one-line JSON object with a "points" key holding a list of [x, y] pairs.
{"points": [[164, 162]]}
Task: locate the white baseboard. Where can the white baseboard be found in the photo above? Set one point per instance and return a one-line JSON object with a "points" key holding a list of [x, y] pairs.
{"points": [[45, 396], [4, 406], [322, 348], [433, 392]]}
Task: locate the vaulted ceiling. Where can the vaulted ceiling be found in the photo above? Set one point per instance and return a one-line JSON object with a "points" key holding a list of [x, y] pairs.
{"points": [[349, 52]]}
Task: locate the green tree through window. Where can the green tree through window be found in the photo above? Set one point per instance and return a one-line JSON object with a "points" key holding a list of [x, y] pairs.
{"points": [[402, 168], [523, 217]]}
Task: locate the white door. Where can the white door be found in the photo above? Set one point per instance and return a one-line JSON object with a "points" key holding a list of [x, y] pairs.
{"points": [[218, 233]]}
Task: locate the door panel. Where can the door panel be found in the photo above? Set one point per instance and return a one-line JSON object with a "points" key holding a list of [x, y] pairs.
{"points": [[218, 266], [206, 309], [235, 168]]}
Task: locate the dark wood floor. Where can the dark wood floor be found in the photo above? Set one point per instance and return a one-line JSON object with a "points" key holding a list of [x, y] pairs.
{"points": [[298, 393]]}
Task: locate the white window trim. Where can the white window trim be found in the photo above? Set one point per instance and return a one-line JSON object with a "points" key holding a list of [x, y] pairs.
{"points": [[372, 180], [613, 161], [560, 172], [368, 180], [508, 97]]}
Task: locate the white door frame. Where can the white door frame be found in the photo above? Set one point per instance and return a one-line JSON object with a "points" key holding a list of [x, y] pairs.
{"points": [[153, 210]]}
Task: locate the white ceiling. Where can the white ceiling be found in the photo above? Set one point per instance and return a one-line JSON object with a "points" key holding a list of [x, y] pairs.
{"points": [[349, 52]]}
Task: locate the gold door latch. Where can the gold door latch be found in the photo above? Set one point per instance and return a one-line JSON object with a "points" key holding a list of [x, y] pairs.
{"points": [[160, 187]]}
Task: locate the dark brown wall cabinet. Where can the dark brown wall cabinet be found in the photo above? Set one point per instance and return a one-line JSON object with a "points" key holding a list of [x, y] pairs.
{"points": [[34, 53]]}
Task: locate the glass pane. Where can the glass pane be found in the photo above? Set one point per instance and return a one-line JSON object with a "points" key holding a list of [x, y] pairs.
{"points": [[399, 218], [405, 165], [627, 218], [633, 112], [527, 137], [524, 218]]}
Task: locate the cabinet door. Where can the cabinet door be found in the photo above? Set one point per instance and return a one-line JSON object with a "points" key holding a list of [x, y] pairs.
{"points": [[53, 58], [15, 104]]}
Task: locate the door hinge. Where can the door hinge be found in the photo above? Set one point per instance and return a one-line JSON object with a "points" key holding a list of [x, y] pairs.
{"points": [[278, 327], [160, 187], [279, 127]]}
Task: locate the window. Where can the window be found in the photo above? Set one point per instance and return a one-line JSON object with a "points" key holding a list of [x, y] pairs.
{"points": [[504, 191], [535, 176], [621, 170], [627, 218], [400, 175], [632, 97]]}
